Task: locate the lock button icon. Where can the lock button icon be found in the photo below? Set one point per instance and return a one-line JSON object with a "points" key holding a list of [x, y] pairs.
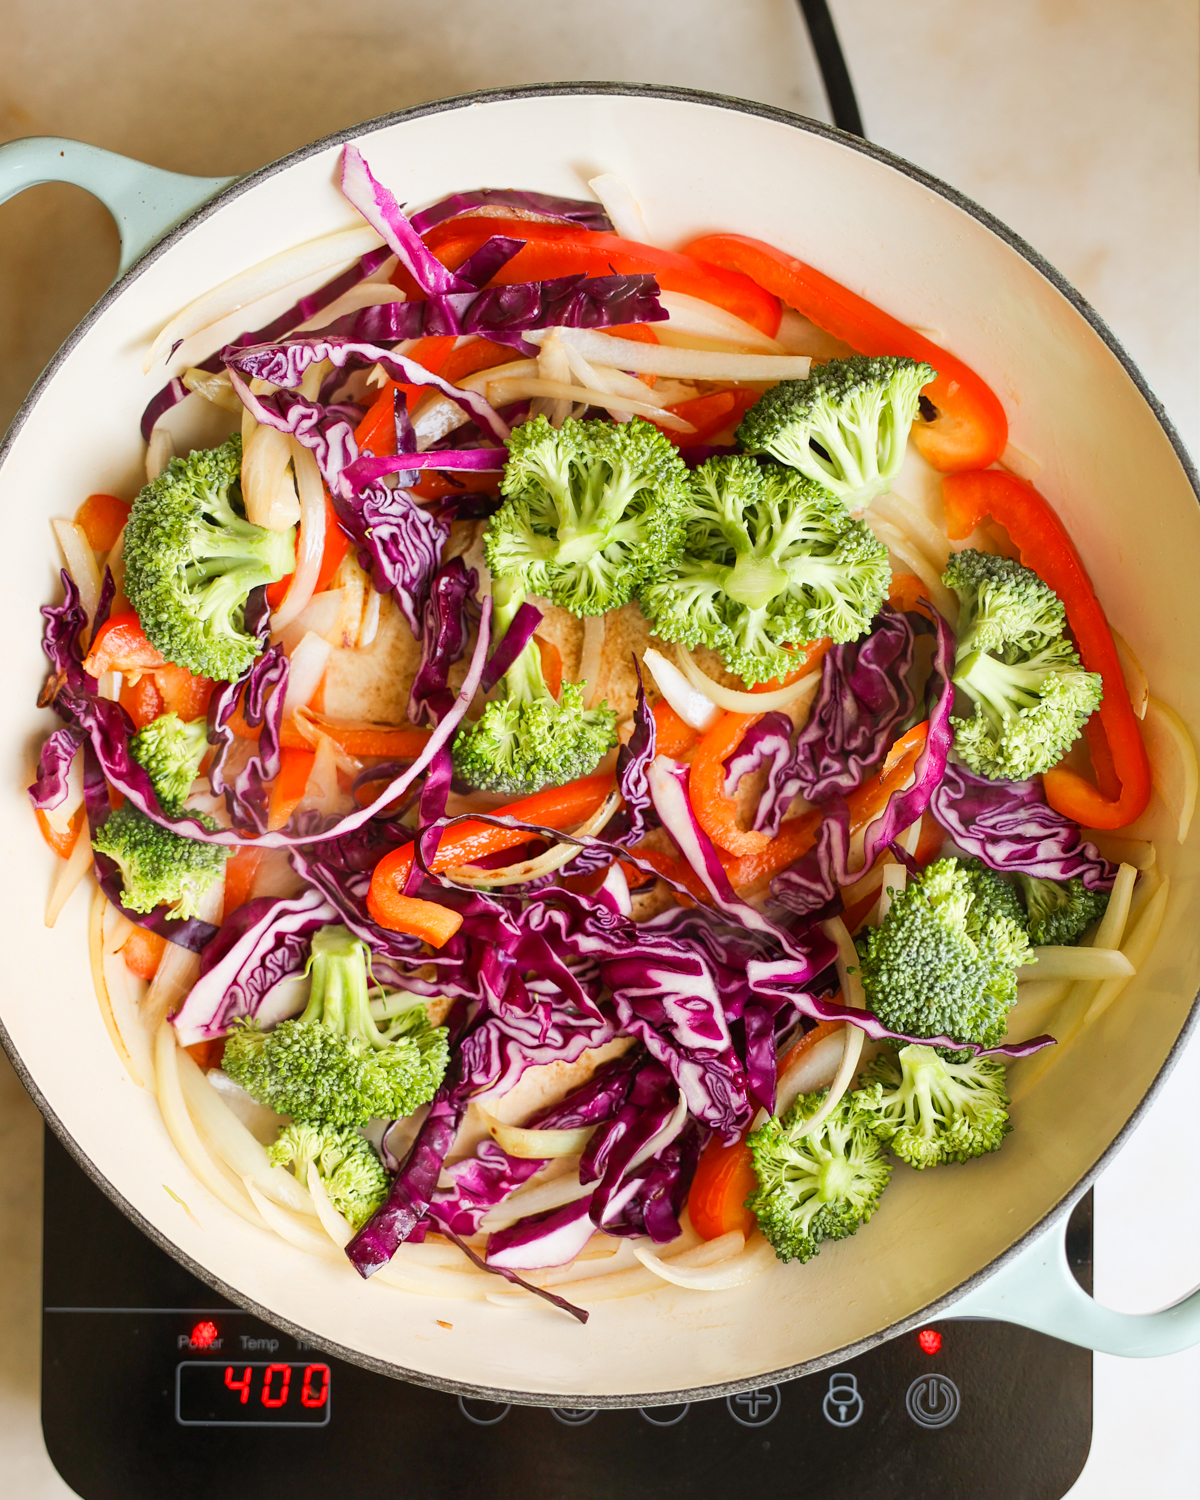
{"points": [[843, 1404]]}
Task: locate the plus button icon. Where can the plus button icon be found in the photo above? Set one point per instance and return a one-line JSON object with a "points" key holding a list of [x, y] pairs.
{"points": [[755, 1408]]}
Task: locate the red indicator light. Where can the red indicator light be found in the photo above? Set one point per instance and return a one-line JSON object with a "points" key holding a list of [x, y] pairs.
{"points": [[203, 1334], [930, 1340]]}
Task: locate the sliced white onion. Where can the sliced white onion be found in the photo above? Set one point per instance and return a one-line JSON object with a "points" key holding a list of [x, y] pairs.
{"points": [[272, 275], [1136, 683], [1136, 949], [307, 666], [159, 452], [852, 990], [298, 1229], [681, 364], [215, 387], [1076, 963], [691, 315], [67, 875], [311, 494], [233, 1143], [96, 916], [369, 627], [184, 1135], [59, 818], [1020, 464], [136, 1041], [532, 1144], [178, 969], [334, 1225], [621, 207], [915, 560], [815, 1068], [81, 564], [268, 488], [552, 365], [916, 526], [535, 1198], [893, 879], [1172, 763], [365, 294], [744, 703], [732, 1270], [505, 392], [693, 704], [603, 377], [591, 657], [322, 615]]}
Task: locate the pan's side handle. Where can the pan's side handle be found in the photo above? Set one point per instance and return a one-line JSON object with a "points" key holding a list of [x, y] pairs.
{"points": [[1037, 1290], [145, 201]]}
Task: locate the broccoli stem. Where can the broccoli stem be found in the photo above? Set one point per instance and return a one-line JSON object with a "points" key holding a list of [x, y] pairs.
{"points": [[340, 996]]}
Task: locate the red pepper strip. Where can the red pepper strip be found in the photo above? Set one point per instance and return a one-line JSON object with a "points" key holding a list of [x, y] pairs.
{"points": [[295, 767], [673, 735], [377, 430], [553, 250], [715, 811], [710, 415], [971, 430], [142, 700], [121, 646], [557, 807], [102, 518], [1118, 753]]}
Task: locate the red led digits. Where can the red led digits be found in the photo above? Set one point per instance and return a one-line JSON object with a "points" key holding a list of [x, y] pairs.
{"points": [[285, 1372], [203, 1334], [930, 1340], [242, 1385], [309, 1396]]}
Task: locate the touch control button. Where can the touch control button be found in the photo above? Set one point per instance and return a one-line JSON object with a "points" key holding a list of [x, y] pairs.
{"points": [[665, 1416], [482, 1413], [843, 1403], [933, 1401], [574, 1416], [755, 1408]]}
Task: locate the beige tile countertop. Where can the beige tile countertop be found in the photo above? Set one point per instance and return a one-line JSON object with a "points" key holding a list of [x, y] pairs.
{"points": [[1073, 120]]}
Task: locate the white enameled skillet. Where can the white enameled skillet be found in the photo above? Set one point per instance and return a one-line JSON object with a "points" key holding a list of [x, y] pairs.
{"points": [[981, 1240]]}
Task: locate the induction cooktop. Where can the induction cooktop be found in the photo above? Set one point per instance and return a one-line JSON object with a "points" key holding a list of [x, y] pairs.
{"points": [[153, 1386]]}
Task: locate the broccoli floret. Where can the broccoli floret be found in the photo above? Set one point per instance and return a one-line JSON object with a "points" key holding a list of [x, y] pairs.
{"points": [[590, 507], [526, 740], [1031, 694], [944, 960], [929, 1110], [333, 1064], [1001, 603], [353, 1174], [171, 750], [845, 426], [159, 867], [191, 560], [769, 559], [1028, 712], [1060, 911], [820, 1186]]}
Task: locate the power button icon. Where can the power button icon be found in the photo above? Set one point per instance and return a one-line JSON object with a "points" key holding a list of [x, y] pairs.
{"points": [[843, 1404], [933, 1401]]}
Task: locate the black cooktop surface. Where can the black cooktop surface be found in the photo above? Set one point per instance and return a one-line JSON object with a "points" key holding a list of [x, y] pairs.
{"points": [[153, 1386]]}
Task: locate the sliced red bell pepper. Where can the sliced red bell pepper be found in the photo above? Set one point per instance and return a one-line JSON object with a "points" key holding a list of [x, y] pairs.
{"points": [[121, 646], [971, 429], [295, 767], [102, 518], [673, 735], [377, 430], [553, 250], [556, 807], [715, 811], [1118, 754], [709, 415], [142, 700]]}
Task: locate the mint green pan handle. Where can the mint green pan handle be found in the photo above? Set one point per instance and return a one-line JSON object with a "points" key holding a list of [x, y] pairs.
{"points": [[146, 202], [1037, 1290]]}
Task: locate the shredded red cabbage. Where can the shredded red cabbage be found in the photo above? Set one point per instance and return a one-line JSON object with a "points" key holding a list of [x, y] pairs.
{"points": [[512, 643], [766, 745], [1010, 826]]}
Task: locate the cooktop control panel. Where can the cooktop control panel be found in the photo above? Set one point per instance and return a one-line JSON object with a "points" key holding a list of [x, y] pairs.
{"points": [[153, 1385]]}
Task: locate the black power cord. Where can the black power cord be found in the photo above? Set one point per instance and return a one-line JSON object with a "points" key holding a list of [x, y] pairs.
{"points": [[834, 73]]}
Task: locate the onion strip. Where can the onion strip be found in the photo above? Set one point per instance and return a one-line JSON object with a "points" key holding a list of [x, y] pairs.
{"points": [[311, 493], [916, 526], [692, 704], [730, 1271], [299, 1230], [184, 1136], [1066, 962], [690, 315], [680, 364], [136, 1045], [272, 275], [744, 703], [81, 564], [530, 1145], [542, 864], [902, 547], [67, 875], [847, 960], [505, 392]]}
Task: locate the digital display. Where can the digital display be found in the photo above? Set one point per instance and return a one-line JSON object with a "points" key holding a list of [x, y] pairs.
{"points": [[213, 1393]]}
